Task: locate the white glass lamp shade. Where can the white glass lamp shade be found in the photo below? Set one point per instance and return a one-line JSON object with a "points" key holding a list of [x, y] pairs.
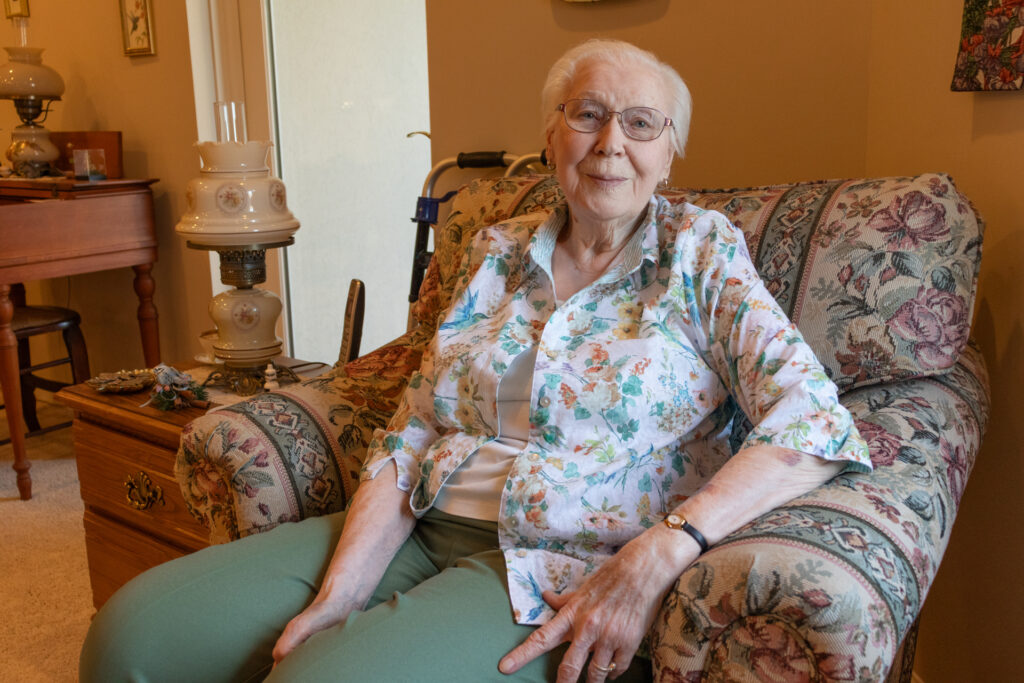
{"points": [[235, 201], [25, 76]]}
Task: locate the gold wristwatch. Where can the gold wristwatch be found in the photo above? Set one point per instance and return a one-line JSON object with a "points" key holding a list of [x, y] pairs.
{"points": [[679, 523]]}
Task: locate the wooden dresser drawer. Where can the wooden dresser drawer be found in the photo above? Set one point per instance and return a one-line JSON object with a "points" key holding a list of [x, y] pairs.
{"points": [[117, 554], [113, 466]]}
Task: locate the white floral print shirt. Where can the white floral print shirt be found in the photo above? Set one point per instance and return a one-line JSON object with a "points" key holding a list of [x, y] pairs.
{"points": [[640, 384]]}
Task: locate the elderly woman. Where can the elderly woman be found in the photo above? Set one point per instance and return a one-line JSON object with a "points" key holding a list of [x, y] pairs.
{"points": [[570, 445]]}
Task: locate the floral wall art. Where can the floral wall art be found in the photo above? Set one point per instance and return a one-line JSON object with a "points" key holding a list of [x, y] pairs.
{"points": [[137, 27], [991, 54]]}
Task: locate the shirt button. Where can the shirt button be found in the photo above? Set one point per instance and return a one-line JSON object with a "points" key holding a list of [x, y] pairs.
{"points": [[544, 401]]}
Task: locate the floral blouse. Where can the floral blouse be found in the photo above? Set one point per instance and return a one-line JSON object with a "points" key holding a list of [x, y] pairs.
{"points": [[645, 384]]}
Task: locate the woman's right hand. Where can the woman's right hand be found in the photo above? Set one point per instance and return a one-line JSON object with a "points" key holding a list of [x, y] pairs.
{"points": [[377, 524], [322, 614]]}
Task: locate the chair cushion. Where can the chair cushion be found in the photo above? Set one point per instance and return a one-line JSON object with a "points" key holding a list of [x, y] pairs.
{"points": [[29, 321], [878, 274]]}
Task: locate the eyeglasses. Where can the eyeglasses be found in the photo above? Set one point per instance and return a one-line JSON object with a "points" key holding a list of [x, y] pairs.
{"points": [[638, 123]]}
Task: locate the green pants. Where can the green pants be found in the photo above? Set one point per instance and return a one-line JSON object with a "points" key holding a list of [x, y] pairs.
{"points": [[441, 613]]}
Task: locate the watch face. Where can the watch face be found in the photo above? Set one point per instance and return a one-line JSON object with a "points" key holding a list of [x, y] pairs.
{"points": [[674, 520]]}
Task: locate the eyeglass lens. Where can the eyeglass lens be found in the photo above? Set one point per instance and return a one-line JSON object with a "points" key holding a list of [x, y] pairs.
{"points": [[589, 116]]}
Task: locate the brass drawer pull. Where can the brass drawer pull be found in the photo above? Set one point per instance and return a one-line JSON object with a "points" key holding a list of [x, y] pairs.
{"points": [[143, 494]]}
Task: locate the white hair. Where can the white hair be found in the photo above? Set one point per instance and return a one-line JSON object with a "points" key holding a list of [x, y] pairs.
{"points": [[619, 52]]}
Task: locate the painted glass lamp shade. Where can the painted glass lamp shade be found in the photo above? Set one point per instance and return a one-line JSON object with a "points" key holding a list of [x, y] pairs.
{"points": [[235, 201]]}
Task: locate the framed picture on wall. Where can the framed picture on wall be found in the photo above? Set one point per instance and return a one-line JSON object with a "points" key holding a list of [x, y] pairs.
{"points": [[16, 8], [137, 27]]}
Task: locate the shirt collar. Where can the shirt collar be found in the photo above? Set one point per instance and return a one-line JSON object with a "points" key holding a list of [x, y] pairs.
{"points": [[642, 245], [542, 243]]}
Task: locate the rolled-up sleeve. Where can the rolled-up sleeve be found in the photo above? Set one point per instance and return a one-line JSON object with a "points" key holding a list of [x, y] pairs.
{"points": [[765, 362], [411, 431], [415, 427]]}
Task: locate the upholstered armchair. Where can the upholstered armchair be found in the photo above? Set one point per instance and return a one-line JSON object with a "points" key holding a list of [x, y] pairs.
{"points": [[879, 275]]}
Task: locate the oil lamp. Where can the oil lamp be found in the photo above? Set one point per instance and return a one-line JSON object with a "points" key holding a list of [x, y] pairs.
{"points": [[237, 208]]}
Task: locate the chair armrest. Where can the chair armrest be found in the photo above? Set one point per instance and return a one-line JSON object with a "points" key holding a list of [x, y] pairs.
{"points": [[827, 586], [293, 453]]}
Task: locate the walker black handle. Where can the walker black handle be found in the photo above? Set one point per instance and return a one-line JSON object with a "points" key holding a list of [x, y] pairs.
{"points": [[481, 159]]}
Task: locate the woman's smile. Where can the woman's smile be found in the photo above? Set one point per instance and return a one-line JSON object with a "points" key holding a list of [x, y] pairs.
{"points": [[606, 176], [606, 180]]}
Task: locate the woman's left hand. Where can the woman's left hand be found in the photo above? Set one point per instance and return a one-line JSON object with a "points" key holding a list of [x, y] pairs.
{"points": [[610, 613]]}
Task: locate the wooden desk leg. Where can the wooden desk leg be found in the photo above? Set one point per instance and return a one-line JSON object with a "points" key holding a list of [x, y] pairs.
{"points": [[11, 381], [144, 288]]}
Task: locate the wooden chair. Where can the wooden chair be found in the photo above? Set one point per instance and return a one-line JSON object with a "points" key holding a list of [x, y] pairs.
{"points": [[30, 321], [352, 331]]}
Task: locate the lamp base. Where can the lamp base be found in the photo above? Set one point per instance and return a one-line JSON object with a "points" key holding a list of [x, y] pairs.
{"points": [[35, 169], [31, 152], [247, 381], [246, 319]]}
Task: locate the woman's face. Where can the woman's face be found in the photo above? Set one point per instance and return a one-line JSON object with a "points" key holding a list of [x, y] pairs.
{"points": [[609, 178]]}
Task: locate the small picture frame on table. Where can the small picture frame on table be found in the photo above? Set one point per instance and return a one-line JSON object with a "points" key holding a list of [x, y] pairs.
{"points": [[137, 27], [16, 8]]}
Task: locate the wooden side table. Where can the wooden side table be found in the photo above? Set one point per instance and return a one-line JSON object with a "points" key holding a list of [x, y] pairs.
{"points": [[52, 227], [135, 516]]}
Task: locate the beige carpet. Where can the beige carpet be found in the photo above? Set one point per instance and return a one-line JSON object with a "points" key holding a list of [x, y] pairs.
{"points": [[45, 598]]}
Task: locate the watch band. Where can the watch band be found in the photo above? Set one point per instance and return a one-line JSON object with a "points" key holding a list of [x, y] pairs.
{"points": [[679, 523]]}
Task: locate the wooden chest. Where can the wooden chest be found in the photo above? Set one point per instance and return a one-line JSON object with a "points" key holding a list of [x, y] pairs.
{"points": [[135, 516]]}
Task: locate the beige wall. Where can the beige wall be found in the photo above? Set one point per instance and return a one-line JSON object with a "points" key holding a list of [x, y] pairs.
{"points": [[970, 630], [150, 100], [778, 94], [793, 90]]}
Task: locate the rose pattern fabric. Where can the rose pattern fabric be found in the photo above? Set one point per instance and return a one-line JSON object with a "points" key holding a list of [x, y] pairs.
{"points": [[848, 260], [884, 446], [812, 577], [935, 324], [911, 220]]}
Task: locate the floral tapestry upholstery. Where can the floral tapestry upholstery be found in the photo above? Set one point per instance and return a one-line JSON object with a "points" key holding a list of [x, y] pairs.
{"points": [[991, 54], [879, 275], [296, 452], [825, 587]]}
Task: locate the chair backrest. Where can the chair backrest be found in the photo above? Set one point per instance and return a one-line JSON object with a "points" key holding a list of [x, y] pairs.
{"points": [[352, 330]]}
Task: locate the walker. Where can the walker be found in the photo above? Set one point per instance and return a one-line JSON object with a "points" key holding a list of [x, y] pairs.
{"points": [[427, 205]]}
